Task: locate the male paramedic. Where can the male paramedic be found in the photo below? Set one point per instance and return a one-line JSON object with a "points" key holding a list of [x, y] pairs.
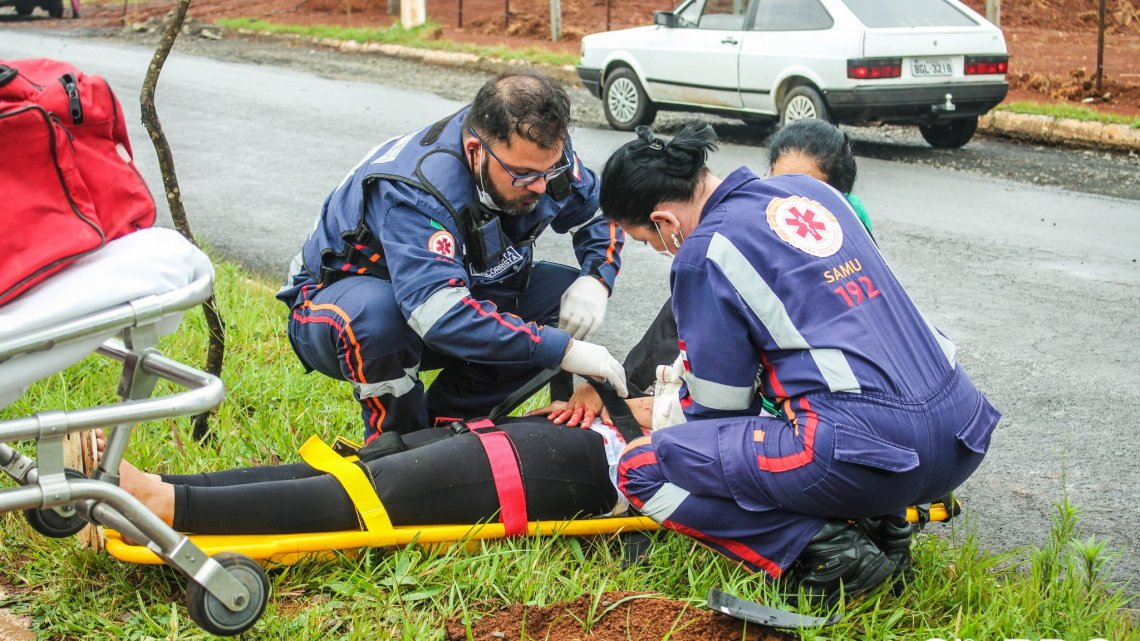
{"points": [[422, 258]]}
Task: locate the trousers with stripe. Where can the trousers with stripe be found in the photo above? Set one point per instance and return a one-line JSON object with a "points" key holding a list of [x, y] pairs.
{"points": [[353, 330], [758, 488]]}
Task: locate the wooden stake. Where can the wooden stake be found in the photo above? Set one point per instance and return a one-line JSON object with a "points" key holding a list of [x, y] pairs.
{"points": [[993, 12], [555, 20], [1100, 52]]}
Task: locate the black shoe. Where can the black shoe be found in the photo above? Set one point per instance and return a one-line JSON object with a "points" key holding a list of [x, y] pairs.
{"points": [[839, 559], [892, 535]]}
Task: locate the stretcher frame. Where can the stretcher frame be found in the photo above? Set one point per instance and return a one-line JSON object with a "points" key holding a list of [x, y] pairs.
{"points": [[59, 502], [285, 549]]}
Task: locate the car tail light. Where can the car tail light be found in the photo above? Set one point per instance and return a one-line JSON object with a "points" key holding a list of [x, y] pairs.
{"points": [[986, 65], [874, 68]]}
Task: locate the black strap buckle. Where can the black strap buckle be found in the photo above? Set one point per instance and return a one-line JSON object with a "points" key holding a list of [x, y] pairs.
{"points": [[7, 74]]}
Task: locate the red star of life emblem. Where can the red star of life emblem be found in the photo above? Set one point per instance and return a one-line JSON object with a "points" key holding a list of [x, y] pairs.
{"points": [[805, 223], [442, 243]]}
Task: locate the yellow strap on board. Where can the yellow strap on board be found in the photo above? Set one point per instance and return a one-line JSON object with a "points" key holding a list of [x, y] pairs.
{"points": [[372, 513]]}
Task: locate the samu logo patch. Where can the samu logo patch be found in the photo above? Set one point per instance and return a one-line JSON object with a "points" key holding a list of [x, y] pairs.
{"points": [[806, 225]]}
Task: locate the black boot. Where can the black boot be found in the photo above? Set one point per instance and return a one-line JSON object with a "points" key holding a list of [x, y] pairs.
{"points": [[892, 535], [839, 556]]}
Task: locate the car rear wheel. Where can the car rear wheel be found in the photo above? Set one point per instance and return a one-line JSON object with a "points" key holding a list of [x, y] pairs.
{"points": [[54, 8], [950, 136], [624, 101], [25, 8], [801, 103]]}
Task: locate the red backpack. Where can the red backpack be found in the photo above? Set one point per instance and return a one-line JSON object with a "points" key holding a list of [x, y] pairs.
{"points": [[68, 182]]}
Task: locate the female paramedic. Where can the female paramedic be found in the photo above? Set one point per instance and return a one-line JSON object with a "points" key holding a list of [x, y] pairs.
{"points": [[808, 146], [779, 291], [429, 477]]}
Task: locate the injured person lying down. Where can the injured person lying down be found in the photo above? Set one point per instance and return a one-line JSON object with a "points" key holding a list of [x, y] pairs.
{"points": [[430, 477]]}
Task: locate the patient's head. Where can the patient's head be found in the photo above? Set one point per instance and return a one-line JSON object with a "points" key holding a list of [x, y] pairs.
{"points": [[816, 148]]}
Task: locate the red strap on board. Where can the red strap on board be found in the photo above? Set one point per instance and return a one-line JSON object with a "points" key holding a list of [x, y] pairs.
{"points": [[507, 475]]}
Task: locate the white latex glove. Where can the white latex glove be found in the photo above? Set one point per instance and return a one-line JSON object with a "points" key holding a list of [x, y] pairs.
{"points": [[666, 402], [583, 307], [595, 361]]}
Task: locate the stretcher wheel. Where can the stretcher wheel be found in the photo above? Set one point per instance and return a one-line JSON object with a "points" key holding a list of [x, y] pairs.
{"points": [[213, 616], [60, 522]]}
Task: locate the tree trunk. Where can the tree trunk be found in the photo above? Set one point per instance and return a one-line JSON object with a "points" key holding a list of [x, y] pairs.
{"points": [[214, 322]]}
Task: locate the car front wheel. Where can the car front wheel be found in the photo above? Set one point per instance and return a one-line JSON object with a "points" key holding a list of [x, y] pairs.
{"points": [[802, 103], [625, 102], [950, 136]]}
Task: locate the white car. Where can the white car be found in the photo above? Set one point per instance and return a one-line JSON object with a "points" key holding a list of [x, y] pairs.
{"points": [[933, 63]]}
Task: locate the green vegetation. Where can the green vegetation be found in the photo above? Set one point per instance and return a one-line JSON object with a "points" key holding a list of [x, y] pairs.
{"points": [[425, 36], [1060, 591], [1073, 112]]}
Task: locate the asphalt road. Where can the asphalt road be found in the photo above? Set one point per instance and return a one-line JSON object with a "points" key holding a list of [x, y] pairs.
{"points": [[1039, 286]]}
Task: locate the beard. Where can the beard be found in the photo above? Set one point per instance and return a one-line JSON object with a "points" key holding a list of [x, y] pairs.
{"points": [[520, 206]]}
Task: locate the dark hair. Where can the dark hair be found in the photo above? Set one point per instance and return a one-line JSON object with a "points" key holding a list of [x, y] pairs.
{"points": [[647, 171], [524, 102], [821, 141]]}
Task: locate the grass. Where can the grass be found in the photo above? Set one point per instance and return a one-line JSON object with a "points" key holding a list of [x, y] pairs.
{"points": [[1060, 591], [422, 37], [1071, 112]]}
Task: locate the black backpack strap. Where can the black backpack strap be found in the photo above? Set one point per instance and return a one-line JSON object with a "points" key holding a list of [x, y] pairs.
{"points": [[623, 417], [521, 394]]}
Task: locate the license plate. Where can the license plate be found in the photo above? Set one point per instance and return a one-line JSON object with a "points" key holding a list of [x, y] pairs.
{"points": [[927, 67]]}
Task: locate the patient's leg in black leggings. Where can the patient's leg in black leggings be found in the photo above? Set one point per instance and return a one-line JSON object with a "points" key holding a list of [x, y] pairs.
{"points": [[565, 474]]}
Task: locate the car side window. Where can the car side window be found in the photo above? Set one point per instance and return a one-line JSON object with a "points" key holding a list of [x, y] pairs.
{"points": [[689, 14], [723, 15], [791, 15]]}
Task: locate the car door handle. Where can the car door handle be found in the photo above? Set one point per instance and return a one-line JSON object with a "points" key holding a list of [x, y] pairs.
{"points": [[729, 40]]}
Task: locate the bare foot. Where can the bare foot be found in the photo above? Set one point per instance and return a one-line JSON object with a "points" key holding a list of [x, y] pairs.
{"points": [[157, 496]]}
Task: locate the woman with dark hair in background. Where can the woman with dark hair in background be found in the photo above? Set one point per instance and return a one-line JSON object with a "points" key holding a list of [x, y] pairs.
{"points": [[779, 292]]}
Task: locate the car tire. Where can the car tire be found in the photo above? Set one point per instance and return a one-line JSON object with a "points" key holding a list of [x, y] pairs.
{"points": [[950, 136], [801, 103], [624, 101], [54, 8], [24, 8]]}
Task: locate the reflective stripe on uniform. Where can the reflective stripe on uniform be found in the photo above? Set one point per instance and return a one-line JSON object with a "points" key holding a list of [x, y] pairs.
{"points": [[662, 504], [396, 387], [424, 317], [949, 349], [719, 396], [770, 310]]}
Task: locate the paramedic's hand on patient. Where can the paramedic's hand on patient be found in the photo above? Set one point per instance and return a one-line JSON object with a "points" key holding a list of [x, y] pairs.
{"points": [[583, 308], [594, 361]]}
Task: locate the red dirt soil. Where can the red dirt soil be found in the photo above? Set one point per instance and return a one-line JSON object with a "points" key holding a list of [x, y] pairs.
{"points": [[1052, 43], [644, 617]]}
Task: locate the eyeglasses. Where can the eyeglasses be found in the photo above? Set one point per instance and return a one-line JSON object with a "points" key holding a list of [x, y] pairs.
{"points": [[523, 180]]}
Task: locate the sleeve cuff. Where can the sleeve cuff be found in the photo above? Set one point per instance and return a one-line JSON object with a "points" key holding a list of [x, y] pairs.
{"points": [[552, 349]]}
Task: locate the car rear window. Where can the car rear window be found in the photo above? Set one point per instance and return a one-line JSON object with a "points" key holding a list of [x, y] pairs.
{"points": [[791, 15], [908, 13]]}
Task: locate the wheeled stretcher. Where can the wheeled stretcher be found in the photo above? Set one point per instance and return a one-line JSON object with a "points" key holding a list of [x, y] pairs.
{"points": [[116, 301]]}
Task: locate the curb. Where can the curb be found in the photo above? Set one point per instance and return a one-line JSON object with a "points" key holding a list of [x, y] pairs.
{"points": [[1064, 131], [1027, 127]]}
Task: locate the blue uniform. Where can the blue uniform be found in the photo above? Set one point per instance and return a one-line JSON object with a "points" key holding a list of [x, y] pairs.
{"points": [[781, 292], [386, 285]]}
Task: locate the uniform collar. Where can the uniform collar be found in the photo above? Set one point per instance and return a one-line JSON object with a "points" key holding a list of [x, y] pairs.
{"points": [[731, 183]]}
